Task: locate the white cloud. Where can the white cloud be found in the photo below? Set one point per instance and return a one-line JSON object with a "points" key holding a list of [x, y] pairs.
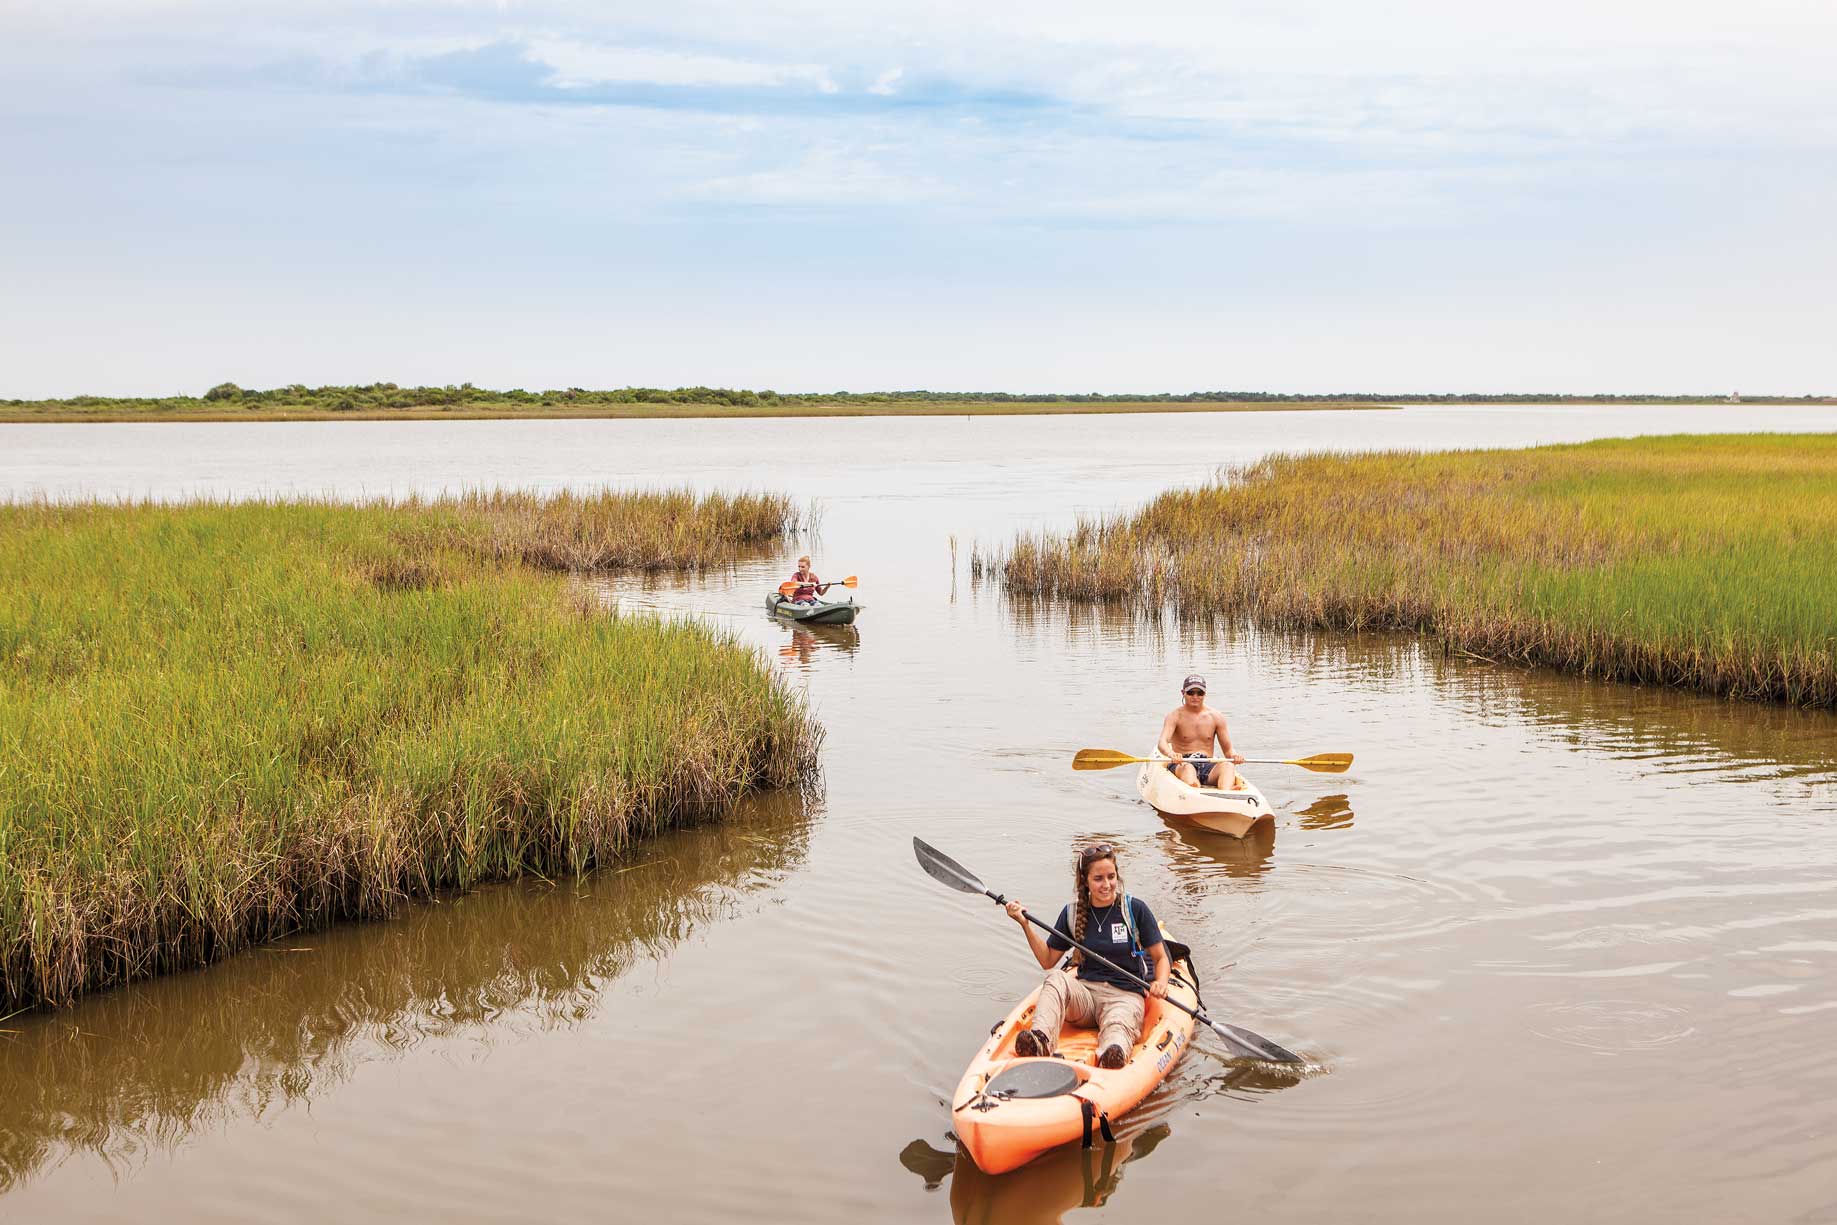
{"points": [[579, 64], [1413, 78], [829, 175]]}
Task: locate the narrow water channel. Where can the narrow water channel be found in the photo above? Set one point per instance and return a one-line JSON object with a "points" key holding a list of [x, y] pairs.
{"points": [[1561, 950]]}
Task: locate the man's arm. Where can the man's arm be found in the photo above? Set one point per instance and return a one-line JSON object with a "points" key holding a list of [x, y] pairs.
{"points": [[1224, 743], [1165, 746]]}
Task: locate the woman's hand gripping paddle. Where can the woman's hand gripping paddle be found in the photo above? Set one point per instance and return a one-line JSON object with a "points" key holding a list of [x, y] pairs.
{"points": [[786, 589], [1247, 1045], [1109, 759]]}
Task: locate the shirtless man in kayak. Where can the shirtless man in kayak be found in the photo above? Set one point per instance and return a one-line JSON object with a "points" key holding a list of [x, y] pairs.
{"points": [[1189, 731]]}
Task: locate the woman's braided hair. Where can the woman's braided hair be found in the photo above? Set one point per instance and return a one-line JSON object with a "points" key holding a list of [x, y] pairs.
{"points": [[1081, 906]]}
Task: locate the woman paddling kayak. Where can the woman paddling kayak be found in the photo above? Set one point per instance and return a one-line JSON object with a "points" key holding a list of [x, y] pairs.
{"points": [[807, 582], [1114, 925]]}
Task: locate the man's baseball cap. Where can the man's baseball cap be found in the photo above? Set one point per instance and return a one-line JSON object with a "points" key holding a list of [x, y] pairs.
{"points": [[1193, 681]]}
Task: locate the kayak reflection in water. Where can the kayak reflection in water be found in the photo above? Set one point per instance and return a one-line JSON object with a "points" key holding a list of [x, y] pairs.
{"points": [[807, 582], [1113, 925], [808, 639]]}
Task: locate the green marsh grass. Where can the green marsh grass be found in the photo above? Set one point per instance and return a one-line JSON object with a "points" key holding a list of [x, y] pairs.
{"points": [[1708, 562], [221, 723]]}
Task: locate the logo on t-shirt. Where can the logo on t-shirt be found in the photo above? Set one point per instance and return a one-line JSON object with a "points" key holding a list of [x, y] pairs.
{"points": [[1119, 933]]}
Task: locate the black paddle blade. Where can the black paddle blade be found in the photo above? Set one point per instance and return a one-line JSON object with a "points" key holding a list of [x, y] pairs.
{"points": [[942, 868], [1247, 1045]]}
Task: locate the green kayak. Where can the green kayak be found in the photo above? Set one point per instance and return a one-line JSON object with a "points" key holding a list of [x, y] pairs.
{"points": [[823, 612]]}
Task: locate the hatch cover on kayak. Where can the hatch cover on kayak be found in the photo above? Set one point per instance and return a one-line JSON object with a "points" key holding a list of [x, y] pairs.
{"points": [[1034, 1078]]}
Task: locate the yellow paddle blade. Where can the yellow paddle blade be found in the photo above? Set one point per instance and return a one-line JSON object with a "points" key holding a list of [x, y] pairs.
{"points": [[1102, 759], [1324, 763]]}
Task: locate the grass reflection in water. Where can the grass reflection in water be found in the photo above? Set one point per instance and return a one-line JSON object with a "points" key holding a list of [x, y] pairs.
{"points": [[1667, 727], [131, 1072]]}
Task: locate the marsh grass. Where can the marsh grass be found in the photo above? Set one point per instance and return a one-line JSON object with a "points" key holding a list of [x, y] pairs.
{"points": [[1708, 562], [662, 530], [222, 723]]}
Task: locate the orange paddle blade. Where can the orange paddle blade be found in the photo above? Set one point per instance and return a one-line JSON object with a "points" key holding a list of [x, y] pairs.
{"points": [[785, 589]]}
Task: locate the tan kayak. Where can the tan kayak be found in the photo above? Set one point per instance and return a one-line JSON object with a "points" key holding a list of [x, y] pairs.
{"points": [[1235, 811]]}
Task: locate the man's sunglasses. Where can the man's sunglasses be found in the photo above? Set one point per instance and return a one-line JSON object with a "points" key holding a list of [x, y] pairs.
{"points": [[1190, 692]]}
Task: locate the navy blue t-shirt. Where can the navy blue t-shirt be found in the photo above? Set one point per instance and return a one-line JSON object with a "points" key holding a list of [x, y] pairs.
{"points": [[1108, 933]]}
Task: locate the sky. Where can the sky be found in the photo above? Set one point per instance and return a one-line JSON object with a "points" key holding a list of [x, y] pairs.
{"points": [[815, 195]]}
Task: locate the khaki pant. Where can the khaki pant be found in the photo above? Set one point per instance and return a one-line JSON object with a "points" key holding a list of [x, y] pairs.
{"points": [[1115, 1013]]}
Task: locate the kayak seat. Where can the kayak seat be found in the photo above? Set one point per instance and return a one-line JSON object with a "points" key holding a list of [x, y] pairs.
{"points": [[1035, 1078]]}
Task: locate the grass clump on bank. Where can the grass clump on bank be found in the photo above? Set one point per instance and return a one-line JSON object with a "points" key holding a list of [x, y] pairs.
{"points": [[1708, 562], [221, 723]]}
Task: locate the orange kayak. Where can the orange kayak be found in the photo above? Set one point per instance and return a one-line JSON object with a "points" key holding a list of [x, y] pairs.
{"points": [[1008, 1110]]}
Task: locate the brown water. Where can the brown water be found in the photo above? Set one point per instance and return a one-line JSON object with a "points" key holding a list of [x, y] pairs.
{"points": [[1560, 950]]}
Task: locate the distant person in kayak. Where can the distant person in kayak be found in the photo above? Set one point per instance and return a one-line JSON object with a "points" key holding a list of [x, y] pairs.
{"points": [[1190, 731], [1110, 923], [807, 583]]}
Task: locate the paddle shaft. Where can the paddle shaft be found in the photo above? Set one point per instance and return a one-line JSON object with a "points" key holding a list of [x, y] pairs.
{"points": [[1109, 759], [1137, 979], [948, 872], [786, 588]]}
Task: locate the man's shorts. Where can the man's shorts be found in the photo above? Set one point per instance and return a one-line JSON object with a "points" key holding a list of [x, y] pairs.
{"points": [[1205, 769]]}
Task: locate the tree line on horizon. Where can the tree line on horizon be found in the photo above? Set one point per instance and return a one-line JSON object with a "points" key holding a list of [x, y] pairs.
{"points": [[385, 397]]}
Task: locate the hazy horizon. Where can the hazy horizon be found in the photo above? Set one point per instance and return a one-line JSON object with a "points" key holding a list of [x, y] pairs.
{"points": [[967, 395]]}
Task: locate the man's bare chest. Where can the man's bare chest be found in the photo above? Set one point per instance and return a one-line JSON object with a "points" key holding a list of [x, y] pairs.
{"points": [[1195, 729]]}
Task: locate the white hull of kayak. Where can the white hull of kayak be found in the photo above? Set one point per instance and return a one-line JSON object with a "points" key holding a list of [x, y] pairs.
{"points": [[1235, 812]]}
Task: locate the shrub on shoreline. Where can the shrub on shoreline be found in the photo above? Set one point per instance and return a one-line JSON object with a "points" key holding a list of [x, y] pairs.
{"points": [[392, 402]]}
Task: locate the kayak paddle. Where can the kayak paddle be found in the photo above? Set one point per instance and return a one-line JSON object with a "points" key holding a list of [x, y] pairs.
{"points": [[786, 588], [1247, 1045], [1109, 759]]}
